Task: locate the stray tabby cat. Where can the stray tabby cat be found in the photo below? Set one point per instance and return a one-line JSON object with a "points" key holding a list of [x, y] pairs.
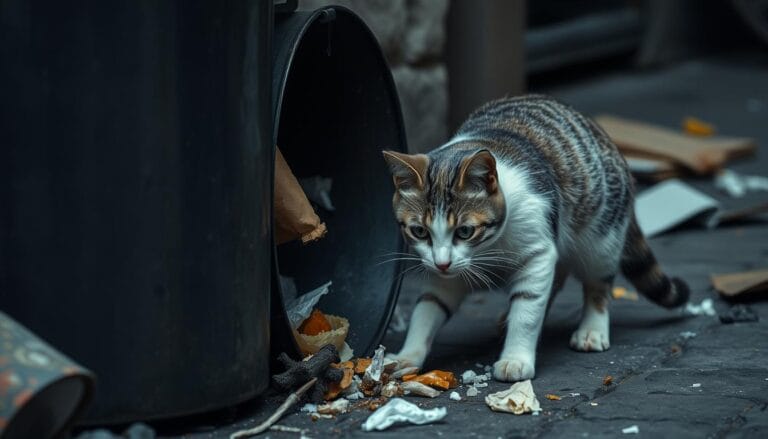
{"points": [[526, 192]]}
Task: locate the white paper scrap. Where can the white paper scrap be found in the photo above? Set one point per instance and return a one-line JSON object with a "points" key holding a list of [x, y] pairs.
{"points": [[672, 203], [398, 410]]}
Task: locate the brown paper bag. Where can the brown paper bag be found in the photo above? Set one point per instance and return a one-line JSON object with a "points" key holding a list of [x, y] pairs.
{"points": [[294, 216]]}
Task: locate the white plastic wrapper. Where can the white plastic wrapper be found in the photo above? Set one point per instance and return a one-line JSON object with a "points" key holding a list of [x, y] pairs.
{"points": [[318, 190], [737, 185], [301, 307], [416, 388], [705, 308], [341, 405], [374, 370], [455, 396], [518, 399], [398, 410]]}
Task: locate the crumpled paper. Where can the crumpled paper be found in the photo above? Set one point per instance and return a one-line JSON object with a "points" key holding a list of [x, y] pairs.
{"points": [[398, 410], [518, 399]]}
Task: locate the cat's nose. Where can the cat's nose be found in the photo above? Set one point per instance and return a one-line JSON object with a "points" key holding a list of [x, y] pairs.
{"points": [[443, 267]]}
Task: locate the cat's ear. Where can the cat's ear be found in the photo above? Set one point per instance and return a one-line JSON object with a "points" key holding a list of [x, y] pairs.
{"points": [[478, 171], [408, 171]]}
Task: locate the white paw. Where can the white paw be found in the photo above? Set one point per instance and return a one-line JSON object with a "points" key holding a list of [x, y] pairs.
{"points": [[590, 340], [408, 359], [514, 368]]}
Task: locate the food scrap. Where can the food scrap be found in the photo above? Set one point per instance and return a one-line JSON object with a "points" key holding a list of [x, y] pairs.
{"points": [[315, 324], [518, 399], [607, 380], [697, 127], [439, 379], [552, 397], [416, 388]]}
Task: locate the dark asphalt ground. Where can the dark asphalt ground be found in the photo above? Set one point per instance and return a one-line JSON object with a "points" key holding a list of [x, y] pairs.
{"points": [[653, 363]]}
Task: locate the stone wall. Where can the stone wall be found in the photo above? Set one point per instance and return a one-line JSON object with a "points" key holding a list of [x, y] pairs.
{"points": [[412, 35]]}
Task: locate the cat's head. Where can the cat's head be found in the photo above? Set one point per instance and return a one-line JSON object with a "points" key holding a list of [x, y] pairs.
{"points": [[449, 206]]}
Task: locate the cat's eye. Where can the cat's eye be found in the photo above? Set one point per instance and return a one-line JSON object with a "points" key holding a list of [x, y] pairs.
{"points": [[465, 232], [419, 232]]}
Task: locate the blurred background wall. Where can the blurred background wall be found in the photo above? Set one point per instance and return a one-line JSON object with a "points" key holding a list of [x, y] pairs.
{"points": [[449, 56]]}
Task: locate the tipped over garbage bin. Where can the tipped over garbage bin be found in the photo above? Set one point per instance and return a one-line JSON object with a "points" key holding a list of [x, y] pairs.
{"points": [[335, 108]]}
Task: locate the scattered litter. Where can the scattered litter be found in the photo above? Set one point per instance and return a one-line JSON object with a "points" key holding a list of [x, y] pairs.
{"points": [[391, 389], [309, 408], [552, 397], [416, 388], [376, 367], [472, 391], [518, 399], [401, 411], [355, 396], [455, 396], [288, 429], [687, 334], [439, 379], [468, 376], [744, 285], [739, 314], [481, 385], [737, 185], [696, 385], [633, 429], [312, 329], [317, 416], [706, 307], [593, 404], [607, 380], [574, 395], [318, 190], [404, 371], [622, 293], [341, 405], [692, 126], [672, 203]]}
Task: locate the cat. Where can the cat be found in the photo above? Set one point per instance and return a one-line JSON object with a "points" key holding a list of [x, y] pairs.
{"points": [[527, 192]]}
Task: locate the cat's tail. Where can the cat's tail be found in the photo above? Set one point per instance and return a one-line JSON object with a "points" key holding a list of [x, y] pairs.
{"points": [[640, 267]]}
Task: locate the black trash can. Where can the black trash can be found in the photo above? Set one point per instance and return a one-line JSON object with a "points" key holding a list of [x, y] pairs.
{"points": [[135, 194], [335, 108]]}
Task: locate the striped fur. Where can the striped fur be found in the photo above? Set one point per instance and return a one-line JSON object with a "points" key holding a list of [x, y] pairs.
{"points": [[538, 185]]}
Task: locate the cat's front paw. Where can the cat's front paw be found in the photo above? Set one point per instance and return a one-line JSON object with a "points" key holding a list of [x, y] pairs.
{"points": [[514, 368], [590, 340], [408, 359]]}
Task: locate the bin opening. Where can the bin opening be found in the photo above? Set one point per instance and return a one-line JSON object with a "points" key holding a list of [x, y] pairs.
{"points": [[336, 109]]}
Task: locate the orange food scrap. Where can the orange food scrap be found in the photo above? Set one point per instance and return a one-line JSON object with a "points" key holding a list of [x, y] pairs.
{"points": [[334, 389], [552, 397], [361, 365], [438, 379], [608, 380], [315, 324], [698, 127]]}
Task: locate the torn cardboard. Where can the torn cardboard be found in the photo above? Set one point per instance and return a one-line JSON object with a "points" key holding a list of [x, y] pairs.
{"points": [[703, 156], [745, 285]]}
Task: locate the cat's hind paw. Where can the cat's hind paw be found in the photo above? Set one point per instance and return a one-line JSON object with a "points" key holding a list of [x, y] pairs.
{"points": [[590, 340], [513, 368]]}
